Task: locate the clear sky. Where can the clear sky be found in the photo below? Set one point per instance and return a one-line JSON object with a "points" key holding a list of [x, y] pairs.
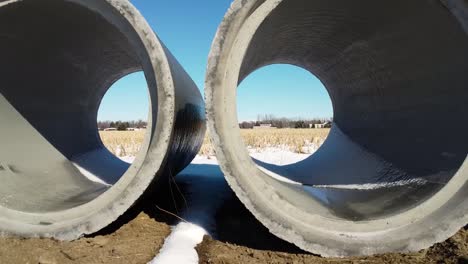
{"points": [[187, 28]]}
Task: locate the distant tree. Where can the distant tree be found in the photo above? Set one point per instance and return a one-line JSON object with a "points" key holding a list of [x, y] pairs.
{"points": [[116, 124], [300, 124], [140, 124], [103, 125], [246, 125], [122, 126]]}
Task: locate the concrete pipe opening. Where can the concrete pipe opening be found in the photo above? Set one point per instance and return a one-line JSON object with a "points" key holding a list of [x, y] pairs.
{"points": [[59, 57], [392, 175]]}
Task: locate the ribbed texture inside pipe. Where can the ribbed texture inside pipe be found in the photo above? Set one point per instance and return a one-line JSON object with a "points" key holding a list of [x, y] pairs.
{"points": [[58, 60], [392, 174], [398, 87]]}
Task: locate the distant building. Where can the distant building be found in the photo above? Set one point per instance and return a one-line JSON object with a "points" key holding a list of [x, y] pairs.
{"points": [[135, 129], [323, 125], [110, 129], [264, 126]]}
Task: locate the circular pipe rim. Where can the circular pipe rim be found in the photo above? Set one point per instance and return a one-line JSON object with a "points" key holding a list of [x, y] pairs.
{"points": [[105, 209], [230, 45]]}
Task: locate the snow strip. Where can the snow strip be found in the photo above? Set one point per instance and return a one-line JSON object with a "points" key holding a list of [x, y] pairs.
{"points": [[279, 177], [89, 175], [374, 186], [179, 246], [7, 2], [278, 156]]}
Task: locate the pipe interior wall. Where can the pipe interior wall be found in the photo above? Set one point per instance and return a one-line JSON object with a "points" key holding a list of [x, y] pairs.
{"points": [[58, 59], [387, 73], [392, 174]]}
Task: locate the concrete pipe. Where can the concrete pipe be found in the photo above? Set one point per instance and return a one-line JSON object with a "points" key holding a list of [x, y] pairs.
{"points": [[58, 59], [392, 175]]}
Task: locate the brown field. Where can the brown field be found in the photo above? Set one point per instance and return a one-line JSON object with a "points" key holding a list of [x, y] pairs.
{"points": [[127, 143]]}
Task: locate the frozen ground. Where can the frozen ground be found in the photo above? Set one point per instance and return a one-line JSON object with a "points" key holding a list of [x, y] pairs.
{"points": [[202, 175]]}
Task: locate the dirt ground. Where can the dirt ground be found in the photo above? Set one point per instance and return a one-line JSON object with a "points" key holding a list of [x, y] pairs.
{"points": [[240, 238], [139, 240], [454, 250], [135, 242]]}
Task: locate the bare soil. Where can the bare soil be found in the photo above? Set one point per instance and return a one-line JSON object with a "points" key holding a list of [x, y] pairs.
{"points": [[454, 250], [136, 242], [139, 240], [240, 238]]}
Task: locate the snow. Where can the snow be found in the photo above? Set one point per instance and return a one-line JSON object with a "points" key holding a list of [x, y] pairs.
{"points": [[278, 156], [128, 159], [179, 246], [374, 186], [203, 174], [90, 175]]}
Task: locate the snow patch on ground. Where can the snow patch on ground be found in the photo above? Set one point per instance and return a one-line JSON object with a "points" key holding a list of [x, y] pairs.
{"points": [[203, 174], [278, 156], [179, 246], [374, 186], [128, 159], [90, 176]]}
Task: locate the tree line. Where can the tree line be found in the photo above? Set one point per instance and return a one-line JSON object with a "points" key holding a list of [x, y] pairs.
{"points": [[284, 122], [121, 125]]}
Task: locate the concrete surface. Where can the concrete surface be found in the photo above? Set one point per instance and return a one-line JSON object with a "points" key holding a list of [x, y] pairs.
{"points": [[392, 177], [59, 57]]}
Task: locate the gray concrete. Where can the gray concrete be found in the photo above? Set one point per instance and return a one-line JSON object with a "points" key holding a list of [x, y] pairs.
{"points": [[58, 59], [392, 176]]}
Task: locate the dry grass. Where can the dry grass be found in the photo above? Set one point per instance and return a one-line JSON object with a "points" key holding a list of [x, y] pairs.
{"points": [[123, 143], [295, 140], [127, 143]]}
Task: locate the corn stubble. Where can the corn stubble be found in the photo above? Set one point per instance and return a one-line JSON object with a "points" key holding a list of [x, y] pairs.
{"points": [[128, 143]]}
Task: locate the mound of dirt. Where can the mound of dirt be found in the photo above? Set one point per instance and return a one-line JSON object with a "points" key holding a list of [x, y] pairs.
{"points": [[140, 240], [454, 250], [135, 242]]}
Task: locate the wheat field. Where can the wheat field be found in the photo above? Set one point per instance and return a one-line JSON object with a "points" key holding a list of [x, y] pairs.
{"points": [[127, 143]]}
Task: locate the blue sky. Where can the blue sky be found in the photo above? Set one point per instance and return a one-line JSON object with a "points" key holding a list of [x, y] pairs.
{"points": [[187, 28]]}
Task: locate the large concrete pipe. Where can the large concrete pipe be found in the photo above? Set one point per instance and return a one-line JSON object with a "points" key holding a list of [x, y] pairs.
{"points": [[58, 59], [392, 176]]}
